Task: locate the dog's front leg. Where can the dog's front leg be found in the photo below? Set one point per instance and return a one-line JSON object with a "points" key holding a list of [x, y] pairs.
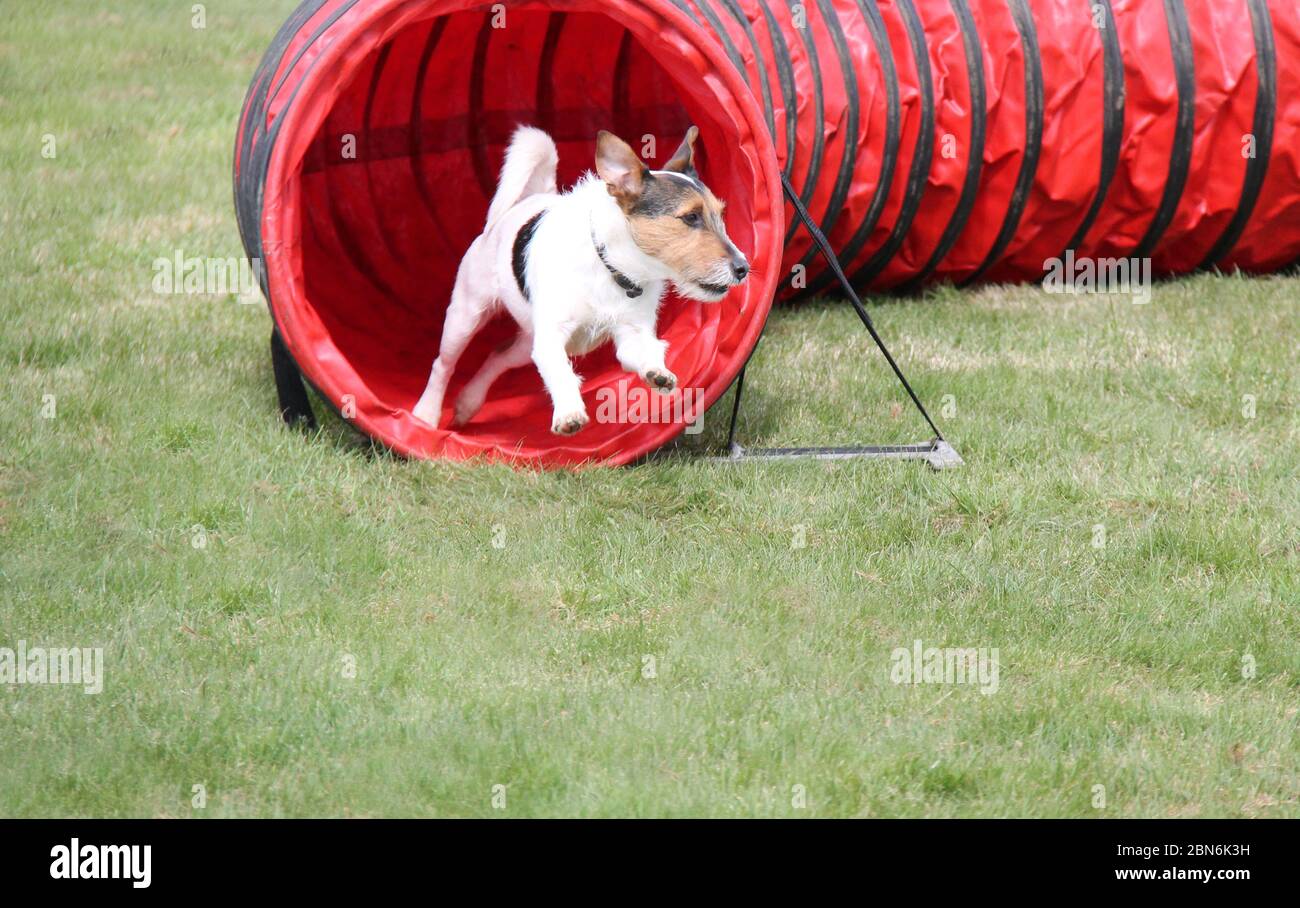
{"points": [[640, 351], [562, 383]]}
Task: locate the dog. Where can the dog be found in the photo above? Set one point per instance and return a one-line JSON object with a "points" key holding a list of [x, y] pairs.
{"points": [[578, 269]]}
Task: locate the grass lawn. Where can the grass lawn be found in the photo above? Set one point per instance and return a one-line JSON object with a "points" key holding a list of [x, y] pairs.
{"points": [[309, 627]]}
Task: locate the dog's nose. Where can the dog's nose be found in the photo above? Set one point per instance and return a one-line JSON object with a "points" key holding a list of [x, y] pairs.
{"points": [[739, 269]]}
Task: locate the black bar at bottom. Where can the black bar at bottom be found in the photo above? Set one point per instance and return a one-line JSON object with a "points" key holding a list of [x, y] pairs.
{"points": [[303, 857]]}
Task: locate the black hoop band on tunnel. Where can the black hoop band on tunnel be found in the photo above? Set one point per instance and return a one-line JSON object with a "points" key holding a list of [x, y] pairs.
{"points": [[356, 252], [1262, 129], [1112, 122], [975, 157], [1033, 137], [922, 155], [1180, 161]]}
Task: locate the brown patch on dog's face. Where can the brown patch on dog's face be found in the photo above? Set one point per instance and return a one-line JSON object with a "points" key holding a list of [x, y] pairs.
{"points": [[681, 225], [677, 219]]}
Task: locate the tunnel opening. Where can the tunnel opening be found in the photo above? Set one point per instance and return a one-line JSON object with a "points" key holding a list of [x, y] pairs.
{"points": [[393, 148]]}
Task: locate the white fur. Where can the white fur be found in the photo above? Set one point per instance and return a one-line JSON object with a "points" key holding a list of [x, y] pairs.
{"points": [[529, 169], [575, 304]]}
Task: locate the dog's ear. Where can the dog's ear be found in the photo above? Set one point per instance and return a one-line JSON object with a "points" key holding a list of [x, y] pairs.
{"points": [[619, 166], [683, 161]]}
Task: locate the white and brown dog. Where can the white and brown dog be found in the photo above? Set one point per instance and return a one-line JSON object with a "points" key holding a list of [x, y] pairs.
{"points": [[581, 268]]}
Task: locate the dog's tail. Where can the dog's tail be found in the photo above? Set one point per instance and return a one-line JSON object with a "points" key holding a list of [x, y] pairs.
{"points": [[529, 169]]}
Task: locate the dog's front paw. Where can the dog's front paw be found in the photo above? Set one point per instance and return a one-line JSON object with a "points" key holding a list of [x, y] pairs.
{"points": [[426, 414], [570, 423], [661, 380]]}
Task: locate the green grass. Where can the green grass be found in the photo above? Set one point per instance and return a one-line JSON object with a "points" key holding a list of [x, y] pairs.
{"points": [[526, 665]]}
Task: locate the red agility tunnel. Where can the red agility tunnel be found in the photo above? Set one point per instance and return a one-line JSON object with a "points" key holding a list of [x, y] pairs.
{"points": [[932, 140]]}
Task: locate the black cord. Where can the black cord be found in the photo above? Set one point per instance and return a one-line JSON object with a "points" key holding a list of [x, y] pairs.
{"points": [[820, 239], [735, 407]]}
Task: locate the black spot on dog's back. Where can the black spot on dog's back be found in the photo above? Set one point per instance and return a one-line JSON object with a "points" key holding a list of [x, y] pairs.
{"points": [[520, 252]]}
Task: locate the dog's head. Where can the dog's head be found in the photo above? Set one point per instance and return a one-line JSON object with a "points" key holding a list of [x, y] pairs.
{"points": [[674, 217]]}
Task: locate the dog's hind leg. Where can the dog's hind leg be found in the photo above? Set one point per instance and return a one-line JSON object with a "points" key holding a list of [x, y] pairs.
{"points": [[465, 315], [517, 353]]}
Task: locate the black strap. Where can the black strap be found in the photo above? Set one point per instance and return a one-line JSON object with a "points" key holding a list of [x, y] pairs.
{"points": [[922, 152], [1262, 130], [1180, 158], [889, 154], [295, 407], [818, 112], [1112, 121], [849, 125], [1024, 20], [820, 239], [975, 157]]}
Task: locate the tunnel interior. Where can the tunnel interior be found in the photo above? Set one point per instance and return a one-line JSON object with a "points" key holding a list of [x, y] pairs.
{"points": [[402, 161]]}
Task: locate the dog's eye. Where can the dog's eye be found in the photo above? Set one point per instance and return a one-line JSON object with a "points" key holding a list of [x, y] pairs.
{"points": [[693, 219]]}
